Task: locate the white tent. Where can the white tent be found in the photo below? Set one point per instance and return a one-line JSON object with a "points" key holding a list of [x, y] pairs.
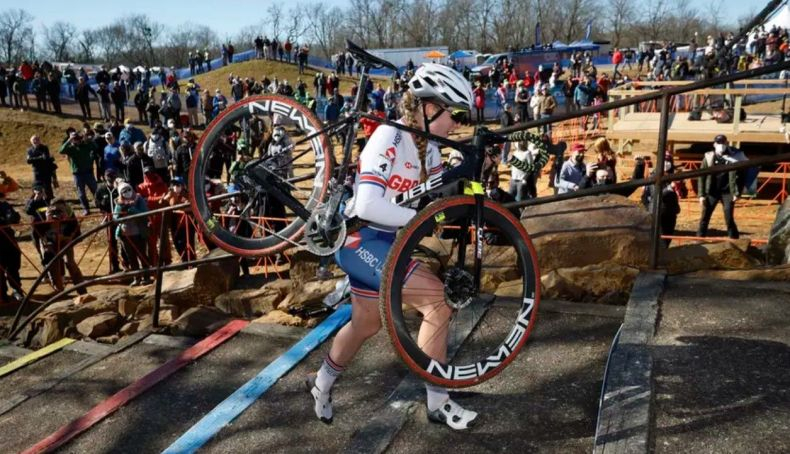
{"points": [[124, 69], [780, 19]]}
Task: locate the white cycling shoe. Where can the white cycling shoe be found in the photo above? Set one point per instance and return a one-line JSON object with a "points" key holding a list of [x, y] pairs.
{"points": [[323, 401], [453, 415]]}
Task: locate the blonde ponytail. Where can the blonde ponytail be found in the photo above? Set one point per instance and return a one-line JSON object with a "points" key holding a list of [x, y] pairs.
{"points": [[411, 106]]}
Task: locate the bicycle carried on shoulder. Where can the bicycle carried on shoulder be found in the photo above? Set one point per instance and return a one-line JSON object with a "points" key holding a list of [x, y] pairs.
{"points": [[475, 246]]}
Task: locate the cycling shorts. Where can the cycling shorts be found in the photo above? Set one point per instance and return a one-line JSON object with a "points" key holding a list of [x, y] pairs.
{"points": [[362, 257]]}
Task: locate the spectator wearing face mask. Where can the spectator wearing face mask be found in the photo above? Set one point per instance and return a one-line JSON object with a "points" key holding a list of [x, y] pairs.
{"points": [[671, 193], [156, 149], [721, 187], [152, 190], [112, 154], [574, 171], [133, 233], [130, 134]]}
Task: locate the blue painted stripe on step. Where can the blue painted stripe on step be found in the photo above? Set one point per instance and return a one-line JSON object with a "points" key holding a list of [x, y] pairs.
{"points": [[222, 415]]}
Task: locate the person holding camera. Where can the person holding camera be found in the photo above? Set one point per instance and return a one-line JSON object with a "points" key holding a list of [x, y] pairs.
{"points": [[10, 255], [80, 154], [43, 166], [105, 202], [36, 208], [574, 172], [133, 233], [59, 230], [721, 187]]}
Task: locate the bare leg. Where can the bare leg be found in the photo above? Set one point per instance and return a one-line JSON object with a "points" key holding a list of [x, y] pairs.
{"points": [[425, 293], [365, 323]]}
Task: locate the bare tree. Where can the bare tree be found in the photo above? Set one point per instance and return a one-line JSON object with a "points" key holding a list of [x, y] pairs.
{"points": [[110, 40], [144, 34], [325, 27], [275, 13], [16, 35], [184, 39], [86, 45], [657, 12], [297, 26], [58, 40], [621, 17]]}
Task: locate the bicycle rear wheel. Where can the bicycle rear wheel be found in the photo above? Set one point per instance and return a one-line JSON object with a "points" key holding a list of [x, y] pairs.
{"points": [[259, 225], [489, 323]]}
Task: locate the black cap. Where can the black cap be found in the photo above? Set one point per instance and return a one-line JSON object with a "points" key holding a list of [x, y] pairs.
{"points": [[721, 138], [147, 169]]}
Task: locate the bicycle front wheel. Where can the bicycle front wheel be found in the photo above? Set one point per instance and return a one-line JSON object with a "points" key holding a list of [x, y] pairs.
{"points": [[253, 223], [450, 285]]}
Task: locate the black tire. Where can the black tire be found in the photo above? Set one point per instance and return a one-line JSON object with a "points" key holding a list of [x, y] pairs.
{"points": [[496, 330], [311, 190]]}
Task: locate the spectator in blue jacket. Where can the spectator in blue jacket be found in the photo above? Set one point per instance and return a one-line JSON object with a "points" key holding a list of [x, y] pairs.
{"points": [[130, 134], [574, 171], [583, 95], [220, 103], [112, 154]]}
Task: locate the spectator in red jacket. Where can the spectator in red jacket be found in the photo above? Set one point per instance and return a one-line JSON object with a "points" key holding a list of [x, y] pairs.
{"points": [[528, 82], [28, 73], [617, 60], [153, 189], [512, 78]]}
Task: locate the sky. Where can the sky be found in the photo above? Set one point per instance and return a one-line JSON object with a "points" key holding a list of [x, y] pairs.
{"points": [[227, 20]]}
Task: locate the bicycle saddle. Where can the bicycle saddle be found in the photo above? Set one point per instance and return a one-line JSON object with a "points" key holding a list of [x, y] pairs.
{"points": [[369, 60]]}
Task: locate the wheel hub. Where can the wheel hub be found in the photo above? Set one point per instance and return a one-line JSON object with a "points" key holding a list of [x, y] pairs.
{"points": [[459, 288]]}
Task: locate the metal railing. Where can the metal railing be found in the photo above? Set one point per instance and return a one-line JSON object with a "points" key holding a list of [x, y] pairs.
{"points": [[657, 180]]}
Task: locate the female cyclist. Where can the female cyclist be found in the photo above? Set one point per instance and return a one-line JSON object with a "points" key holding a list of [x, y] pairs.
{"points": [[392, 162]]}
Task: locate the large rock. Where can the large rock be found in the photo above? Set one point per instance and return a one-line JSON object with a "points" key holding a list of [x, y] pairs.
{"points": [[199, 321], [200, 285], [281, 318], [726, 255], [777, 252], [604, 283], [43, 330], [589, 230], [255, 302], [100, 325], [307, 296], [61, 318]]}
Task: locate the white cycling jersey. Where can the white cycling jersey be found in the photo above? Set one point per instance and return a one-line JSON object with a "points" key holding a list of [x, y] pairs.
{"points": [[389, 165]]}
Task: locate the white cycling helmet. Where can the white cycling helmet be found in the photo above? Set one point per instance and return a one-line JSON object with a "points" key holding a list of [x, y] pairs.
{"points": [[442, 84]]}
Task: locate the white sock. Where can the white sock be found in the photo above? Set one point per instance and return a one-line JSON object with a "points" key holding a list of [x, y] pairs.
{"points": [[436, 396], [327, 374]]}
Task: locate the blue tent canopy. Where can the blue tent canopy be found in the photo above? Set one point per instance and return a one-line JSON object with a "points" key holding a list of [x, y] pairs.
{"points": [[462, 54], [558, 45]]}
